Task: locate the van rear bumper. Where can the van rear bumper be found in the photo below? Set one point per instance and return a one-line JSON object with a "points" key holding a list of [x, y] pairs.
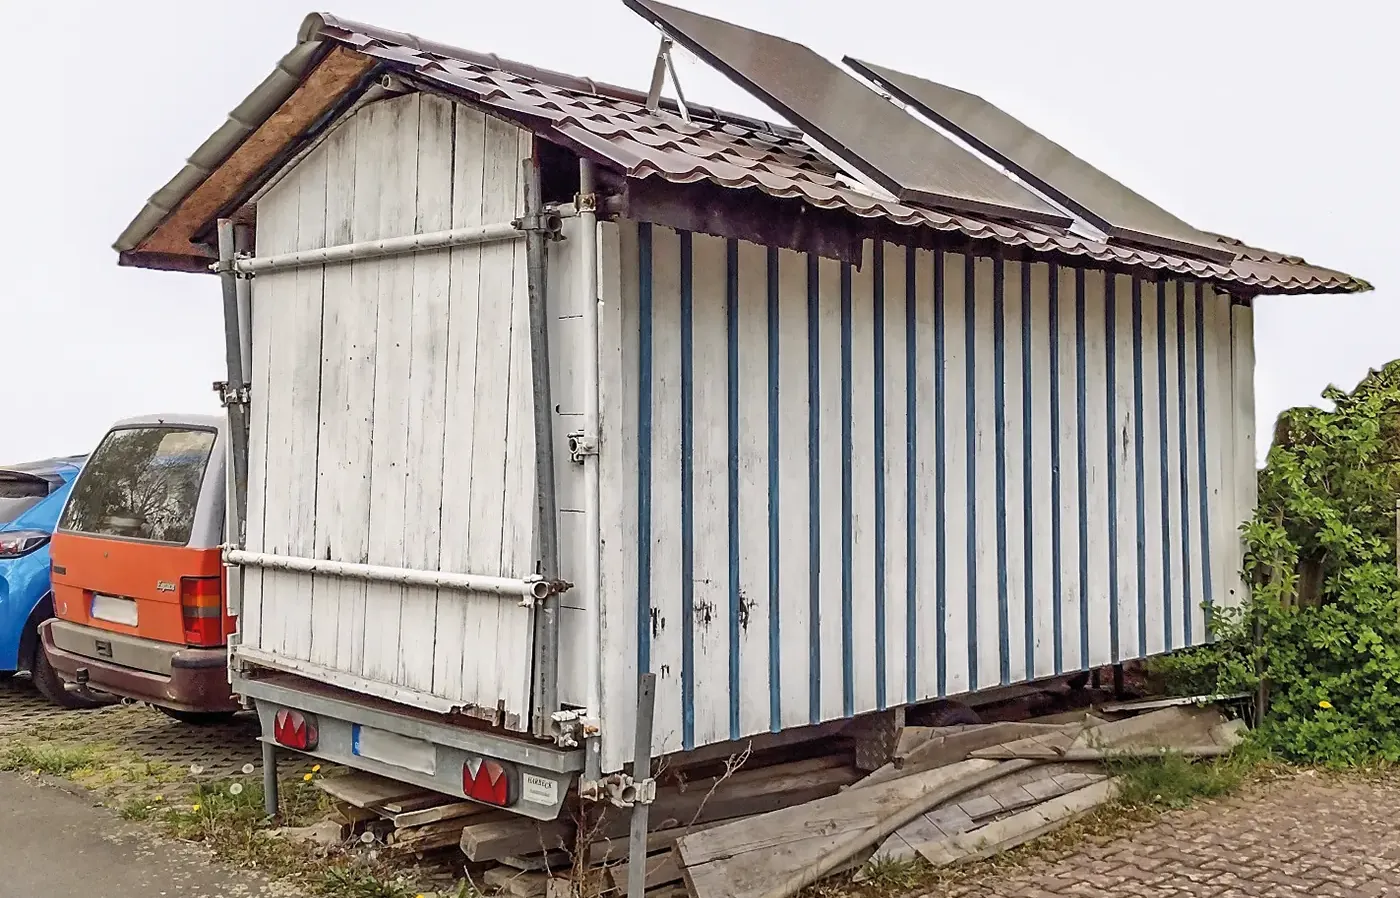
{"points": [[197, 679]]}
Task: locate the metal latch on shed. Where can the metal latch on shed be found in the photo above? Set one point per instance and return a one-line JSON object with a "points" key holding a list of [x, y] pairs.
{"points": [[620, 790], [231, 396], [581, 445]]}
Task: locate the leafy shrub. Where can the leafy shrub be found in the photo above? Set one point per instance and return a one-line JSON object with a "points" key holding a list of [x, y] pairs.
{"points": [[1322, 628]]}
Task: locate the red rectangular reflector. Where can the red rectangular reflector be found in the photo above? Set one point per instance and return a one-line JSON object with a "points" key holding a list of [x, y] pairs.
{"points": [[295, 729], [487, 781]]}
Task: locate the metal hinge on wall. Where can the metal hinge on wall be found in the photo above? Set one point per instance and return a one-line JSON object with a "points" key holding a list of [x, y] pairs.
{"points": [[230, 396]]}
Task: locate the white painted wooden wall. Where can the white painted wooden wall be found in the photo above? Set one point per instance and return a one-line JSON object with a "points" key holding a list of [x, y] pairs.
{"points": [[839, 489], [392, 409]]}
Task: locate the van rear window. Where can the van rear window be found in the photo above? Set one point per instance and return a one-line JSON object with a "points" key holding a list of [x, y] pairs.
{"points": [[141, 483]]}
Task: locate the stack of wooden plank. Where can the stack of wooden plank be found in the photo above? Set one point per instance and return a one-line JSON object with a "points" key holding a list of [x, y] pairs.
{"points": [[950, 794], [407, 818]]}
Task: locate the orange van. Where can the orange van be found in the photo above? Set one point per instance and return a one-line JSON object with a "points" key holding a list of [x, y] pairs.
{"points": [[138, 580]]}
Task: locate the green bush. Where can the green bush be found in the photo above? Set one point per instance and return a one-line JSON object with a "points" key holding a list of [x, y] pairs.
{"points": [[1322, 628]]}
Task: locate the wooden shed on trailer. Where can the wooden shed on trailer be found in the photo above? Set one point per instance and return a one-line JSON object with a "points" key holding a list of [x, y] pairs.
{"points": [[851, 452]]}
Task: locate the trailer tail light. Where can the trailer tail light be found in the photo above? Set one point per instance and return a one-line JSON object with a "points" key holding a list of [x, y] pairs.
{"points": [[202, 610], [295, 729], [487, 781]]}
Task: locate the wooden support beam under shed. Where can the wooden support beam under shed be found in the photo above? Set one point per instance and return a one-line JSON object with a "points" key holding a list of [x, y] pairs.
{"points": [[172, 244]]}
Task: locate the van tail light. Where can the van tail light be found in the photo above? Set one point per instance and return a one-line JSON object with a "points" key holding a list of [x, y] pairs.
{"points": [[487, 781], [295, 729], [202, 610]]}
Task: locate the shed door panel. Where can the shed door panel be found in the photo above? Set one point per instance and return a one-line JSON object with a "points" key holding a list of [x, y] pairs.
{"points": [[392, 409]]}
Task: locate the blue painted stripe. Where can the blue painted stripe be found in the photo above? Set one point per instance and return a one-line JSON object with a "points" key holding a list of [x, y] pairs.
{"points": [[814, 490], [970, 332], [1202, 445], [1110, 299], [1139, 470], [940, 476], [1027, 469], [1081, 351], [911, 495], [687, 495], [1182, 402], [878, 271], [1057, 590], [731, 303], [644, 386], [1165, 461], [999, 428], [775, 642], [848, 670]]}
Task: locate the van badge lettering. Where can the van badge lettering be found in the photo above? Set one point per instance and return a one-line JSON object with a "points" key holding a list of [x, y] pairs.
{"points": [[165, 586]]}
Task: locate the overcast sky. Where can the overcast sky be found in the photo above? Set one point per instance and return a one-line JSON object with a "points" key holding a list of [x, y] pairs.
{"points": [[1272, 121]]}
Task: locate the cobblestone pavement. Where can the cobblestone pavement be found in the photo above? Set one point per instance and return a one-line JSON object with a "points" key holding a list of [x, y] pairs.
{"points": [[1304, 836], [216, 750]]}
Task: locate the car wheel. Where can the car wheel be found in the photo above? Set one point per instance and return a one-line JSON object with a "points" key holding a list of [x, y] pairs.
{"points": [[197, 718], [50, 686]]}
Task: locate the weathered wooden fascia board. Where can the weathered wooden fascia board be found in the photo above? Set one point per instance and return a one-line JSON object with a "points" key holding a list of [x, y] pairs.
{"points": [[171, 244]]}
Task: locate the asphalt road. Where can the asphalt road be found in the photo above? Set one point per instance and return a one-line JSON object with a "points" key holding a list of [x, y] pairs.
{"points": [[57, 845]]}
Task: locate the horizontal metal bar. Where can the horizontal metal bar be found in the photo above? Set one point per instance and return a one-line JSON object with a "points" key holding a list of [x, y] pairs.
{"points": [[373, 249], [496, 745], [528, 589]]}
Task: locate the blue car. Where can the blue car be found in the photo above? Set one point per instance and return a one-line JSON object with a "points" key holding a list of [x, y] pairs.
{"points": [[31, 497]]}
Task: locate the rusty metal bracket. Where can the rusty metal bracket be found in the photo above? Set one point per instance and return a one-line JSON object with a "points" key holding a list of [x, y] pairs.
{"points": [[620, 790], [548, 222], [229, 396]]}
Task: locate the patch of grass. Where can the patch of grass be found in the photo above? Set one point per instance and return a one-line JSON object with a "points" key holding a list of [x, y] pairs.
{"points": [[52, 758], [360, 882], [1174, 781], [887, 875]]}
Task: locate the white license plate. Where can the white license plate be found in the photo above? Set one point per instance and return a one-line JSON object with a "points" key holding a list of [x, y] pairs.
{"points": [[114, 610], [391, 748]]}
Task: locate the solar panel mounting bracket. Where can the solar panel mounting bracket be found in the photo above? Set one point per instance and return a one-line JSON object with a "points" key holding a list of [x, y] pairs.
{"points": [[665, 65]]}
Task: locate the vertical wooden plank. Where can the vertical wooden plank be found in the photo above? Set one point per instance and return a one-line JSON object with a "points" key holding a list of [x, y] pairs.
{"points": [[617, 416], [340, 359], [860, 652], [1245, 474], [896, 557], [927, 549], [304, 326], [1014, 491], [393, 344], [518, 553], [958, 411], [1153, 627], [830, 512], [1197, 562], [1220, 446], [667, 613], [515, 622], [1125, 469], [1169, 300], [794, 508], [455, 642], [1073, 623], [1040, 497], [276, 232], [1095, 509], [758, 668], [987, 633], [430, 330], [709, 490], [484, 672]]}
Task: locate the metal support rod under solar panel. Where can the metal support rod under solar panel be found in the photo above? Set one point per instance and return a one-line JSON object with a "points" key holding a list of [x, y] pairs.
{"points": [[1110, 206], [875, 137]]}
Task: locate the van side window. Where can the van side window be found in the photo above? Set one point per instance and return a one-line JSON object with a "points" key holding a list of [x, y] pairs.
{"points": [[141, 483]]}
